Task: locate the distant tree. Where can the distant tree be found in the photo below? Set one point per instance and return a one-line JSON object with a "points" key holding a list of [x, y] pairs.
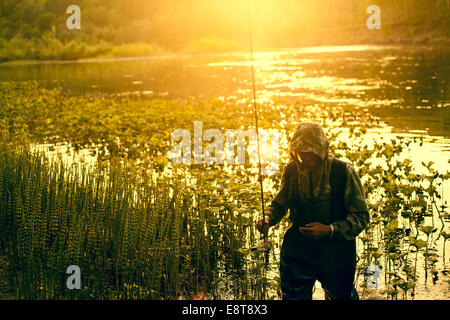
{"points": [[57, 7], [45, 22]]}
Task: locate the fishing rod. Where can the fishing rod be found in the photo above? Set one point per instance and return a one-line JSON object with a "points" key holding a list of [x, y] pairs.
{"points": [[256, 121]]}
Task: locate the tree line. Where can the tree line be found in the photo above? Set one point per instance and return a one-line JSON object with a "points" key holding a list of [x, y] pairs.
{"points": [[172, 24]]}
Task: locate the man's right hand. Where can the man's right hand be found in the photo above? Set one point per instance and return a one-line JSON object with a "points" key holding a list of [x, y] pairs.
{"points": [[263, 228]]}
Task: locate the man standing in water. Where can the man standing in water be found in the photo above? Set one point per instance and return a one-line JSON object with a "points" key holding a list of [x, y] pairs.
{"points": [[327, 211]]}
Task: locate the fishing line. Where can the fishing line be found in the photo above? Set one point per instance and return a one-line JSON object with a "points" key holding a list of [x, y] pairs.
{"points": [[256, 115]]}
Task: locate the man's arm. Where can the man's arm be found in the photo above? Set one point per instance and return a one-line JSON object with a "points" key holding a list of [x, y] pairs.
{"points": [[355, 204], [280, 204]]}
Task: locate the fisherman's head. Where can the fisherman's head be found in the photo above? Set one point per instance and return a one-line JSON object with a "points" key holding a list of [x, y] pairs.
{"points": [[309, 145], [306, 159]]}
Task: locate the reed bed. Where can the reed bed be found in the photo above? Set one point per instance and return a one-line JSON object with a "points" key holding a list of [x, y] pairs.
{"points": [[133, 235]]}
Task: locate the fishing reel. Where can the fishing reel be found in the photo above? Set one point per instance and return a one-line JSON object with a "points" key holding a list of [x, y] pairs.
{"points": [[262, 245]]}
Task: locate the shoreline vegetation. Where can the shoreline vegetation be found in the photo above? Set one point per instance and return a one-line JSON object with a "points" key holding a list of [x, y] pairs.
{"points": [[49, 49]]}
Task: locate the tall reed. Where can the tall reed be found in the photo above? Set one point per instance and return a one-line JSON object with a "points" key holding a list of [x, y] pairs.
{"points": [[134, 235]]}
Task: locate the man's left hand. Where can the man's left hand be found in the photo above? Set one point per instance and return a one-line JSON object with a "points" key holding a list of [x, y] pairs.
{"points": [[315, 230]]}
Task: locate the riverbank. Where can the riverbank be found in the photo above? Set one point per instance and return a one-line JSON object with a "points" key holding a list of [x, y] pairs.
{"points": [[433, 32], [51, 49]]}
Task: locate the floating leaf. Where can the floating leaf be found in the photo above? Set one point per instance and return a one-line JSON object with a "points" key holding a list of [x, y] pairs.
{"points": [[445, 234], [418, 243], [428, 230], [243, 251]]}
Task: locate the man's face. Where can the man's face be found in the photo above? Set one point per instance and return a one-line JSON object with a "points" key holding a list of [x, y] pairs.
{"points": [[308, 159]]}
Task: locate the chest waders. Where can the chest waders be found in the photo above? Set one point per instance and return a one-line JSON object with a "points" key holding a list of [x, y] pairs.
{"points": [[331, 261]]}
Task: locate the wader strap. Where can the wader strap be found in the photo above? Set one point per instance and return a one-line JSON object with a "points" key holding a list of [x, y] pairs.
{"points": [[338, 179]]}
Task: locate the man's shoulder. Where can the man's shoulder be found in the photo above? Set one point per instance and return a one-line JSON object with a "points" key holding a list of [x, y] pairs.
{"points": [[339, 171], [290, 168], [342, 164]]}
